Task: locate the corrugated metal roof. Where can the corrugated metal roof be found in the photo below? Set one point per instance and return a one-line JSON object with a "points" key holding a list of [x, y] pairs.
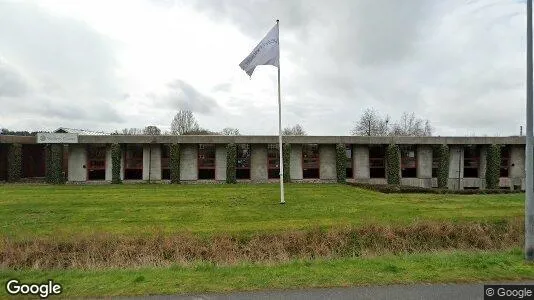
{"points": [[79, 131]]}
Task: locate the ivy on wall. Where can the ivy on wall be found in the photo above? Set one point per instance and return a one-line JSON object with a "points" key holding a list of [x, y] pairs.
{"points": [[174, 162], [286, 152], [116, 163], [493, 167], [341, 159], [14, 162], [443, 166], [231, 161], [54, 164], [393, 164]]}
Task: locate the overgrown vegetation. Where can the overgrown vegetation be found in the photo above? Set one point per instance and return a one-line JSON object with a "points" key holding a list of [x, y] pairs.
{"points": [[286, 153], [393, 164], [174, 162], [116, 157], [341, 161], [407, 189], [231, 162], [493, 166], [14, 162], [54, 164], [443, 166]]}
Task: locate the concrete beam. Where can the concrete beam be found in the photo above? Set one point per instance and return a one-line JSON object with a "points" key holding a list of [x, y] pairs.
{"points": [[296, 162], [360, 158], [77, 163], [327, 162], [258, 163], [189, 162]]}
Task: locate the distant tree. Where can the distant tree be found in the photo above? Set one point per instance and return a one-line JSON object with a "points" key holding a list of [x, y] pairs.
{"points": [[410, 125], [5, 131], [152, 130], [295, 130], [184, 122], [132, 131], [371, 124], [230, 131], [201, 131]]}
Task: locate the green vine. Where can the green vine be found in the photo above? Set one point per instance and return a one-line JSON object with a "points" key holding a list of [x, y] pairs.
{"points": [[493, 166], [443, 166], [341, 163], [14, 162], [116, 163], [286, 152], [393, 164], [54, 164], [231, 161], [174, 162]]}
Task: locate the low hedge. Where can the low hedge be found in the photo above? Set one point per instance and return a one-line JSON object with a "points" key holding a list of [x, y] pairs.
{"points": [[14, 163], [174, 162], [286, 152], [54, 164], [406, 189], [341, 160], [231, 162], [116, 157]]}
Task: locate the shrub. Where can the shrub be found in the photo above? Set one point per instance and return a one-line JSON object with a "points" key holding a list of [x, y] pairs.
{"points": [[231, 161], [493, 166], [393, 164], [286, 152], [116, 156], [174, 162], [14, 163], [406, 189], [341, 160], [443, 166], [54, 164]]}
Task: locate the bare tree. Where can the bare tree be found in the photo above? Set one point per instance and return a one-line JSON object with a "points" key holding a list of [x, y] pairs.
{"points": [[371, 124], [152, 130], [410, 125], [295, 130], [230, 131], [184, 122], [132, 131]]}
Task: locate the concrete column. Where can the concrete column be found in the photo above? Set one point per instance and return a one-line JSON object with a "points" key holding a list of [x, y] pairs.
{"points": [[258, 162], [456, 156], [296, 162], [360, 158], [517, 165], [424, 161], [220, 162], [77, 162], [327, 162], [152, 162], [482, 166], [108, 163], [189, 162]]}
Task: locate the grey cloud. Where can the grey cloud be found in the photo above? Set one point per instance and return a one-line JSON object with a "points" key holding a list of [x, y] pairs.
{"points": [[181, 95], [11, 82]]}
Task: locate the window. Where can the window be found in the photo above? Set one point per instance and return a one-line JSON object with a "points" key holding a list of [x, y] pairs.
{"points": [[206, 161], [273, 161], [165, 162], [348, 161], [377, 164], [133, 162], [310, 161], [243, 161], [408, 161], [435, 160], [505, 161], [96, 162], [471, 161]]}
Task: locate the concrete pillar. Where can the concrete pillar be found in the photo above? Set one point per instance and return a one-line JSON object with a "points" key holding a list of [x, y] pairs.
{"points": [[220, 162], [258, 162], [296, 162], [482, 166], [327, 162], [152, 162], [108, 163], [77, 163], [360, 159], [189, 162], [517, 165], [456, 160], [424, 161]]}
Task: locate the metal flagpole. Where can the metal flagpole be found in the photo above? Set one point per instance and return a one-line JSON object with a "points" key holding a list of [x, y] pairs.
{"points": [[529, 197], [282, 200]]}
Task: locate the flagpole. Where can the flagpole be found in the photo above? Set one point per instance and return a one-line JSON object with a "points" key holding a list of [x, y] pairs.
{"points": [[529, 163], [282, 200]]}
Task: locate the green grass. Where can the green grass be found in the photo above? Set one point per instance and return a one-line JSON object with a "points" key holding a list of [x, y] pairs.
{"points": [[403, 269], [43, 210]]}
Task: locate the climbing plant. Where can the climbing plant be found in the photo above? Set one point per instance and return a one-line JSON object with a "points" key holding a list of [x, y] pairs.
{"points": [[493, 166], [231, 161], [54, 164], [14, 163], [174, 162], [393, 164], [341, 161], [443, 166], [116, 163], [286, 152]]}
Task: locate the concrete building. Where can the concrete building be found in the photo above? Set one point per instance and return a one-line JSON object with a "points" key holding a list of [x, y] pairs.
{"points": [[312, 158]]}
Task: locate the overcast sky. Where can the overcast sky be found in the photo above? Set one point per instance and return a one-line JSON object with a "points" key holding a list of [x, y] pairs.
{"points": [[107, 65]]}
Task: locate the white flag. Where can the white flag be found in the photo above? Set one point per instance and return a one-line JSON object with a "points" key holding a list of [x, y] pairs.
{"points": [[266, 53]]}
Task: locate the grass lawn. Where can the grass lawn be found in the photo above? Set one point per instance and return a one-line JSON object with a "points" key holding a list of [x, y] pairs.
{"points": [[404, 269], [43, 210]]}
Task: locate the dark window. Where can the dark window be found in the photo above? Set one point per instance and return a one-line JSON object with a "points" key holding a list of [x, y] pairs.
{"points": [[206, 161], [3, 162], [133, 162], [435, 161], [471, 161], [348, 161], [310, 161], [165, 162], [96, 162], [243, 161], [33, 161], [377, 162], [408, 161], [273, 161], [505, 161]]}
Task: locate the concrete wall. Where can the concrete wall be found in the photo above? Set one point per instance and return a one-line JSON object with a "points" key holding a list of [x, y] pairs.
{"points": [[424, 167], [189, 162], [517, 166], [152, 162], [258, 163], [220, 162], [296, 162], [77, 161], [327, 162], [456, 156], [360, 159]]}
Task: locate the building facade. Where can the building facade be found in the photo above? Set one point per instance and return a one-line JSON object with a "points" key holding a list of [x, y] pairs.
{"points": [[87, 158]]}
